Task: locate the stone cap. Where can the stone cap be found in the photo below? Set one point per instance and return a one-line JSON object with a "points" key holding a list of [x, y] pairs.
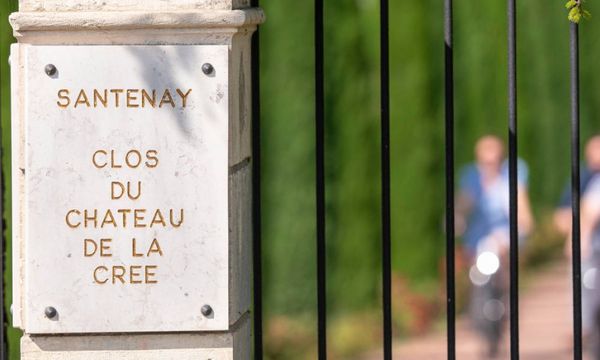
{"points": [[124, 20], [130, 5]]}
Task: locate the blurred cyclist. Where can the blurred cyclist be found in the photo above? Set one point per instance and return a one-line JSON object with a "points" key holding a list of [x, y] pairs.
{"points": [[483, 219], [590, 240], [562, 215]]}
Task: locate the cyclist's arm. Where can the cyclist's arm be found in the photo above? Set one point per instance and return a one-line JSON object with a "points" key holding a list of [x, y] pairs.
{"points": [[590, 214], [562, 220], [462, 208], [525, 217]]}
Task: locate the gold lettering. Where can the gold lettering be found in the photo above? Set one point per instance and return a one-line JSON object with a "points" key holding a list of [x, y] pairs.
{"points": [[82, 99], [69, 223], [146, 96], [124, 212], [117, 93], [86, 249], [166, 99], [99, 98], [94, 159], [63, 94], [112, 161], [150, 274], [93, 218], [120, 186], [154, 248], [119, 275], [172, 221], [122, 218], [158, 219], [117, 190], [130, 192], [108, 219], [153, 156], [138, 218], [105, 247], [96, 273], [135, 163], [131, 97], [134, 252], [133, 275], [183, 96]]}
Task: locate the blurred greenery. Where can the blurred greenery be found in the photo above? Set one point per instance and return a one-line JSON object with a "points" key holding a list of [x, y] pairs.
{"points": [[6, 7], [352, 143], [352, 138]]}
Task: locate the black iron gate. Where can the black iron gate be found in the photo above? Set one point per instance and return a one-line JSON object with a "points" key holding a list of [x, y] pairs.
{"points": [[450, 174]]}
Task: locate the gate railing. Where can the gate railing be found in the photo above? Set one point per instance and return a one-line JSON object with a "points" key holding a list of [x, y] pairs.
{"points": [[575, 192], [450, 198], [385, 183]]}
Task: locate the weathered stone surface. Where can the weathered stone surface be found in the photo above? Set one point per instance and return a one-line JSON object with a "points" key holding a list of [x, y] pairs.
{"points": [[74, 21], [135, 27], [240, 239], [233, 345], [240, 131], [164, 164], [116, 5], [18, 181], [146, 22]]}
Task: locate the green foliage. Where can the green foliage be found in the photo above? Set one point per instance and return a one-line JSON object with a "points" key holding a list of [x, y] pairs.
{"points": [[576, 11], [6, 7], [417, 128]]}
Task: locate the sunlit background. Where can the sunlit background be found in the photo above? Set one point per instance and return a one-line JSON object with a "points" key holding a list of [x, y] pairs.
{"points": [[352, 160]]}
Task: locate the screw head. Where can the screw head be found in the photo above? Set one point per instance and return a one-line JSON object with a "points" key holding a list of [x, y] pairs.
{"points": [[207, 68], [206, 310], [50, 312], [50, 70]]}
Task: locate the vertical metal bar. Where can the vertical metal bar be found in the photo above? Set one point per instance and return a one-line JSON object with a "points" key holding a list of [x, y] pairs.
{"points": [[320, 180], [3, 323], [575, 191], [512, 159], [385, 181], [3, 239], [5, 9], [256, 196], [449, 133]]}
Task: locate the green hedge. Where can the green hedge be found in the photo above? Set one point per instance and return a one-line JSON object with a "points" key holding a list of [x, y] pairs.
{"points": [[352, 143]]}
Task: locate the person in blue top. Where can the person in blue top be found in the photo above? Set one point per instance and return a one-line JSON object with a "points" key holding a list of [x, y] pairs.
{"points": [[483, 201], [482, 216], [590, 257], [591, 167], [590, 240]]}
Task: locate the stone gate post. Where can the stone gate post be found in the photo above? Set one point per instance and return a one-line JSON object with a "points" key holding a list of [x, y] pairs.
{"points": [[132, 178]]}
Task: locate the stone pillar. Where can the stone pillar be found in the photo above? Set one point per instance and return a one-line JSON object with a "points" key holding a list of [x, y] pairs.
{"points": [[132, 178]]}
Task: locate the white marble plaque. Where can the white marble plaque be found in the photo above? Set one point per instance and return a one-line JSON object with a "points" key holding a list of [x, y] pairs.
{"points": [[126, 181]]}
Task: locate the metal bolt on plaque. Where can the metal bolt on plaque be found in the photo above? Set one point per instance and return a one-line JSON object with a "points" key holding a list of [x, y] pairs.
{"points": [[207, 69], [50, 312], [50, 70], [206, 310]]}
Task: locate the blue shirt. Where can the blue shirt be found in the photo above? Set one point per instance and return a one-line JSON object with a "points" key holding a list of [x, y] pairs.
{"points": [[490, 206], [584, 178], [592, 196]]}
